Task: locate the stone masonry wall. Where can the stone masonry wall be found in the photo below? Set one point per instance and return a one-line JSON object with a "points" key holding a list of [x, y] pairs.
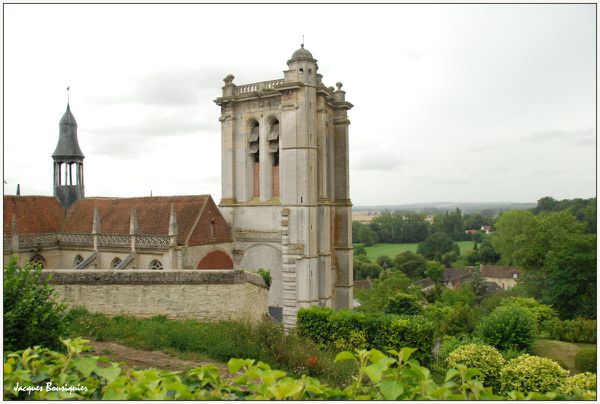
{"points": [[202, 295]]}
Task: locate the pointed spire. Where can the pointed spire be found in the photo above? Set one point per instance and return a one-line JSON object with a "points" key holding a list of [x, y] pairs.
{"points": [[96, 223], [172, 222], [133, 225], [18, 189]]}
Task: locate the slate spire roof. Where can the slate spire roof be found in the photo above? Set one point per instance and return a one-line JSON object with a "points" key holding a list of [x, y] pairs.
{"points": [[68, 146]]}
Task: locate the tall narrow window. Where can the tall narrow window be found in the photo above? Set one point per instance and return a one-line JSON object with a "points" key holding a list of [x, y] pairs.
{"points": [[38, 261], [274, 150], [115, 262], [254, 148], [78, 260]]}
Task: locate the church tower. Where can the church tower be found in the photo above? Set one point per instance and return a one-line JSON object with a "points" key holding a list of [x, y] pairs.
{"points": [[68, 162], [285, 187]]}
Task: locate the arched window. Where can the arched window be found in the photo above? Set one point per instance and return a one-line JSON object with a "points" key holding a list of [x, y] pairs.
{"points": [[254, 149], [38, 261], [78, 260], [115, 262], [274, 150], [156, 264]]}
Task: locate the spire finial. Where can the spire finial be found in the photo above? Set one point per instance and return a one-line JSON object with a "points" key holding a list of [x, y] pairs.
{"points": [[68, 94], [302, 44]]}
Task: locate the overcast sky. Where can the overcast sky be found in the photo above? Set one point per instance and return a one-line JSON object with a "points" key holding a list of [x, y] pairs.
{"points": [[451, 102]]}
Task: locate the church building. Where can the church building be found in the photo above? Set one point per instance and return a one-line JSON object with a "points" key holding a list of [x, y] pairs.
{"points": [[285, 203]]}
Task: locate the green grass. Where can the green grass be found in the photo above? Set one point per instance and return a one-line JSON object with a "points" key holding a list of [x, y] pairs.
{"points": [[391, 250], [220, 340], [560, 351]]}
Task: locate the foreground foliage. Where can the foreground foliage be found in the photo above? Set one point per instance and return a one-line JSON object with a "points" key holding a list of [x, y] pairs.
{"points": [[483, 357], [29, 374], [31, 314]]}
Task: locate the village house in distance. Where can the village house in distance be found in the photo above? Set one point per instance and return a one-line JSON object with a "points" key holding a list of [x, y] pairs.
{"points": [[285, 201]]}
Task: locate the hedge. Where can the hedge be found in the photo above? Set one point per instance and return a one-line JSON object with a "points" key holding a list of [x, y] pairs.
{"points": [[346, 329], [578, 330]]}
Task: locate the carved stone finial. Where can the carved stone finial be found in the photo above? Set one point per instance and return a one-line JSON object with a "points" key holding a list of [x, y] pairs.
{"points": [[339, 85], [330, 88], [172, 222], [13, 227], [229, 79], [133, 225], [96, 222]]}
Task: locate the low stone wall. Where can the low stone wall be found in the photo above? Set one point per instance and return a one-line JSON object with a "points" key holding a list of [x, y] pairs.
{"points": [[180, 294]]}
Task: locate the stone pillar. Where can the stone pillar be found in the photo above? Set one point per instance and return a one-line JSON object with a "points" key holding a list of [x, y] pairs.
{"points": [[133, 229], [173, 238], [265, 171], [14, 234], [227, 145], [95, 233]]}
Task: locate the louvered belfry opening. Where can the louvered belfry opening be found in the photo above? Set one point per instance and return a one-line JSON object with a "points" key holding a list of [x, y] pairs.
{"points": [[273, 139], [254, 149]]}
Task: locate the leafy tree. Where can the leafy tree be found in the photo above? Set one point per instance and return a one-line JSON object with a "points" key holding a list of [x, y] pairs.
{"points": [[411, 264], [384, 261], [478, 286], [388, 285], [449, 258], [366, 236], [434, 271], [559, 261], [471, 257], [359, 250], [450, 223], [487, 254], [473, 221], [509, 327], [436, 245], [509, 225], [545, 204], [31, 314], [403, 304]]}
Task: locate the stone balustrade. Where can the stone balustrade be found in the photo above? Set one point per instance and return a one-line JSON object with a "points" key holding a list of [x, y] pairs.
{"points": [[259, 86]]}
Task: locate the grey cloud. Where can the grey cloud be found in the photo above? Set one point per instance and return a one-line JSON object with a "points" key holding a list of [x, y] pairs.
{"points": [[375, 159], [581, 137], [163, 125], [482, 147]]}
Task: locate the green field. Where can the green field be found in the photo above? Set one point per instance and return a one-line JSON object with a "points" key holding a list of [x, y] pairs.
{"points": [[391, 250], [563, 352]]}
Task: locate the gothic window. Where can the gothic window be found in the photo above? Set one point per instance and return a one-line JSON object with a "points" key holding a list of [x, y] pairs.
{"points": [[38, 261], [254, 149], [156, 264], [115, 262], [273, 139], [78, 260]]}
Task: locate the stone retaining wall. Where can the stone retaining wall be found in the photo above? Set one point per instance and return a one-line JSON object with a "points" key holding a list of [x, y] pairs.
{"points": [[181, 294]]}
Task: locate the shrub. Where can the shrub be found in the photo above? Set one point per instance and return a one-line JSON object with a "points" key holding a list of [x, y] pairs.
{"points": [[31, 314], [483, 357], [585, 360], [403, 303], [532, 373], [577, 330], [266, 275], [359, 250], [541, 312], [509, 327], [333, 329], [584, 382], [384, 261]]}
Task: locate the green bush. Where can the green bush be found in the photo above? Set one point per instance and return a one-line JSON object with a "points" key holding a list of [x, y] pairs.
{"points": [[542, 313], [403, 303], [29, 373], [577, 330], [31, 314], [509, 327], [266, 275], [532, 373], [585, 360], [582, 383], [483, 357], [333, 329]]}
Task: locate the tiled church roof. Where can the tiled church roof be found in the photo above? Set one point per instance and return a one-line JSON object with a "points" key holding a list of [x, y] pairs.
{"points": [[194, 216], [35, 214]]}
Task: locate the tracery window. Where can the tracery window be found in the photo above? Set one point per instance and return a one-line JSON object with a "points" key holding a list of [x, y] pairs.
{"points": [[78, 260], [38, 261], [115, 262], [254, 149], [156, 265], [273, 139]]}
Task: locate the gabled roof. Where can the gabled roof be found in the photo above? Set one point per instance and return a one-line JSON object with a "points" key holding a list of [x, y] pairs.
{"points": [[195, 214], [34, 214], [493, 271], [451, 274]]}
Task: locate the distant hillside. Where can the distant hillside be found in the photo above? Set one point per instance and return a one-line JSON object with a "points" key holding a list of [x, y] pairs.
{"points": [[493, 208]]}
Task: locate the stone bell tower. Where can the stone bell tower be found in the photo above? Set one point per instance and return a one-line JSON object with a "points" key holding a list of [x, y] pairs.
{"points": [[68, 162], [285, 187]]}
